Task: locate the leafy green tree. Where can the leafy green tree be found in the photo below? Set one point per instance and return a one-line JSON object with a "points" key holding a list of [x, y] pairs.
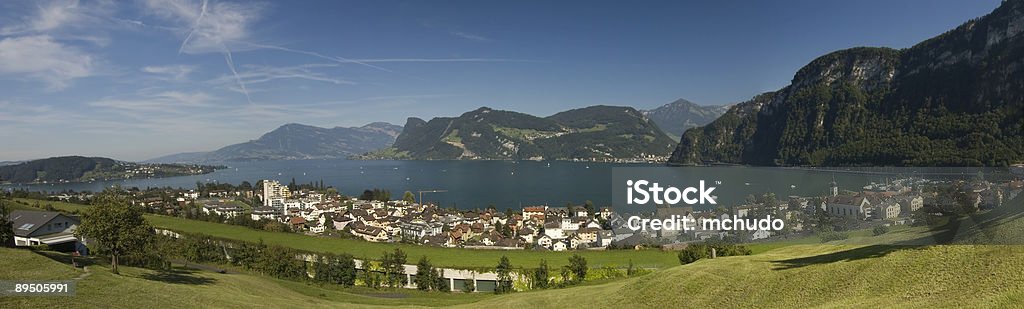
{"points": [[372, 274], [590, 208], [578, 266], [115, 226], [336, 269], [504, 271], [6, 225], [394, 267], [408, 197], [541, 275]]}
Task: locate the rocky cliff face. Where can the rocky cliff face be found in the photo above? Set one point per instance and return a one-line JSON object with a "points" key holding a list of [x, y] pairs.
{"points": [[955, 99]]}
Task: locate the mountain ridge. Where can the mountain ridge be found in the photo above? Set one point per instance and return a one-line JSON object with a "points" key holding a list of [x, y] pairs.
{"points": [[293, 141], [677, 116], [590, 133], [953, 100]]}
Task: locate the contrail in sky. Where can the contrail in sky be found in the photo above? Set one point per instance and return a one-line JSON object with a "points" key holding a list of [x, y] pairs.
{"points": [[202, 12], [231, 65]]}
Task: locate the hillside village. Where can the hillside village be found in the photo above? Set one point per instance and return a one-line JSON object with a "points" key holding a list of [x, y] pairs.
{"points": [[313, 210]]}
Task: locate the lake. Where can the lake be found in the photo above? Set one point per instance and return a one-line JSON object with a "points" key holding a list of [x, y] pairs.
{"points": [[504, 184]]}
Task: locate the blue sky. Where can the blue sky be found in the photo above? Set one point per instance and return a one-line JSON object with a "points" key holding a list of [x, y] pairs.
{"points": [[134, 80]]}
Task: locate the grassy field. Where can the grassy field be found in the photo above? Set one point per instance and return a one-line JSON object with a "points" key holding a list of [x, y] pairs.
{"points": [[812, 276], [794, 276], [143, 288], [60, 206]]}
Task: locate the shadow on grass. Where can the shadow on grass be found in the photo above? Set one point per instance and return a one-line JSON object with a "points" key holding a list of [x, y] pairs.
{"points": [[867, 252], [65, 258], [178, 277]]}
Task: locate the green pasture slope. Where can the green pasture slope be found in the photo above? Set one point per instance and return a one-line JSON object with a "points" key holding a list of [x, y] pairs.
{"points": [[142, 288]]}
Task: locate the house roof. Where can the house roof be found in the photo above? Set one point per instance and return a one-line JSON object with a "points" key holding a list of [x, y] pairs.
{"points": [[26, 222]]}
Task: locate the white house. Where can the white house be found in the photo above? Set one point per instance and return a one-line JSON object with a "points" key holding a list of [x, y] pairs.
{"points": [[848, 206], [545, 241], [44, 228], [559, 246]]}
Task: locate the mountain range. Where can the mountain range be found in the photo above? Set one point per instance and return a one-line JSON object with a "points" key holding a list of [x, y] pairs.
{"points": [[298, 141], [953, 100], [676, 117], [590, 133]]}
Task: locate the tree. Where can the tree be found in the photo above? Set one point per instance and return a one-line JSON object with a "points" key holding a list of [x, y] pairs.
{"points": [[470, 285], [541, 275], [590, 208], [504, 271], [408, 197], [371, 273], [6, 225], [336, 269], [425, 273], [115, 226], [394, 267], [578, 266]]}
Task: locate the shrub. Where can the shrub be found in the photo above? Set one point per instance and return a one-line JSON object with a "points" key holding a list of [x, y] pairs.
{"points": [[879, 230], [832, 235], [698, 251]]}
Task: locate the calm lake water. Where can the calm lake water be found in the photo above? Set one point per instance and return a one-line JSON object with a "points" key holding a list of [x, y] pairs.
{"points": [[505, 184]]}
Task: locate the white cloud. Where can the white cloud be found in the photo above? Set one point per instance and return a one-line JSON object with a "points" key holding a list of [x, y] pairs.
{"points": [[470, 36], [48, 17], [43, 58], [208, 27], [255, 74], [67, 20], [145, 106], [167, 102], [170, 72]]}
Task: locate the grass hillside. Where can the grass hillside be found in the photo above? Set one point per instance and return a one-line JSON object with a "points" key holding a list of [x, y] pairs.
{"points": [[812, 276], [795, 276], [142, 288]]}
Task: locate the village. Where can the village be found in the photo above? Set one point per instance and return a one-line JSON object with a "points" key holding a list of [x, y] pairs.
{"points": [[318, 210]]}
